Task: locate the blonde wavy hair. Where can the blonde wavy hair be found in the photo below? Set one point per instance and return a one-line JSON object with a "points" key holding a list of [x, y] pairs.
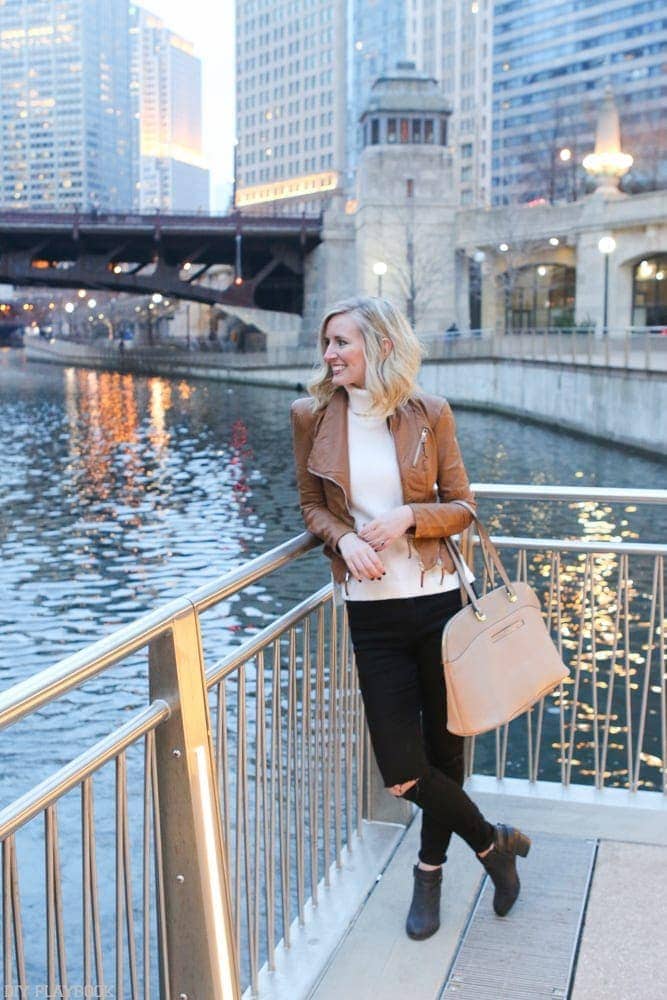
{"points": [[391, 379]]}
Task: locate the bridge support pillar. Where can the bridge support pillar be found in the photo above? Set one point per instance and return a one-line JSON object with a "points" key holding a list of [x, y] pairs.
{"points": [[330, 269]]}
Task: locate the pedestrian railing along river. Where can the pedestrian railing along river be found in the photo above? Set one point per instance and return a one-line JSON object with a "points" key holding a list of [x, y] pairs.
{"points": [[633, 348], [257, 775]]}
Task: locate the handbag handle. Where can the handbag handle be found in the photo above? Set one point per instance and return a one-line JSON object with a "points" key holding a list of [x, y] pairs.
{"points": [[457, 559], [488, 550]]}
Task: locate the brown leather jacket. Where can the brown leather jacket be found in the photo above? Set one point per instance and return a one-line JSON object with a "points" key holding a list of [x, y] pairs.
{"points": [[431, 469]]}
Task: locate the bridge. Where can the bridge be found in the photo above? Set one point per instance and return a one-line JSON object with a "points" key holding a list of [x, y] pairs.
{"points": [[170, 254]]}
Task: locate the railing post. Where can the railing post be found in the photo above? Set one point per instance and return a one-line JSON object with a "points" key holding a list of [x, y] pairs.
{"points": [[201, 953], [382, 806]]}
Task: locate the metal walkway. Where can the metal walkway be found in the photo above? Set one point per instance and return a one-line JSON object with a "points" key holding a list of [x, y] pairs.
{"points": [[584, 928], [532, 955]]}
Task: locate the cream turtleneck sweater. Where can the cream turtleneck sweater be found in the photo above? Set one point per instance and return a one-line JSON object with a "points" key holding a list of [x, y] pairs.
{"points": [[375, 489]]}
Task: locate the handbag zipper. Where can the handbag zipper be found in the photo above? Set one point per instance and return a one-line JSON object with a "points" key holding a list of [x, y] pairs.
{"points": [[420, 445]]}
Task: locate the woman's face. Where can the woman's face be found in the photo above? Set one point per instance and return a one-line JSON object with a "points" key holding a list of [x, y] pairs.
{"points": [[345, 351]]}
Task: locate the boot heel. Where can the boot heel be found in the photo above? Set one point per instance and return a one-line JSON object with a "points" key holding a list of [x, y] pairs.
{"points": [[522, 845]]}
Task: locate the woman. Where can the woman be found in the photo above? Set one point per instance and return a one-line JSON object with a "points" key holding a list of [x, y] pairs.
{"points": [[369, 448]]}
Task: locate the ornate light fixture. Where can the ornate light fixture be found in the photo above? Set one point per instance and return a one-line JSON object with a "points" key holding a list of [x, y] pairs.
{"points": [[608, 163]]}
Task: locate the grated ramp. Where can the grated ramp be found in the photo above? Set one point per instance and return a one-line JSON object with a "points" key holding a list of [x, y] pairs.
{"points": [[530, 953]]}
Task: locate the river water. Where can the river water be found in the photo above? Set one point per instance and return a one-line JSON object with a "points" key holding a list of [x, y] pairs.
{"points": [[118, 493]]}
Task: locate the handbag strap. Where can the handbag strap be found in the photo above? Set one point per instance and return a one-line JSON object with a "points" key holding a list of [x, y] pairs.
{"points": [[460, 568], [488, 549]]}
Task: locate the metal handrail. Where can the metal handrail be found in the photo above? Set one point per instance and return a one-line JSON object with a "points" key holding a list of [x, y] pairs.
{"points": [[33, 693], [179, 752], [36, 691], [25, 808]]}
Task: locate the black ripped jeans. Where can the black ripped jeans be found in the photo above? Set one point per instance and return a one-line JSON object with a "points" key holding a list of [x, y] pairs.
{"points": [[397, 649]]}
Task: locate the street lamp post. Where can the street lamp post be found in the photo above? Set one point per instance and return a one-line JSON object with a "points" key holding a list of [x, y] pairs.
{"points": [[606, 246], [568, 155], [379, 270]]}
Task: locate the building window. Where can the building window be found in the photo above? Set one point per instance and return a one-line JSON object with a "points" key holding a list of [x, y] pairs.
{"points": [[409, 188], [649, 292], [443, 131], [405, 130], [375, 131], [428, 130], [416, 130], [539, 296], [391, 130]]}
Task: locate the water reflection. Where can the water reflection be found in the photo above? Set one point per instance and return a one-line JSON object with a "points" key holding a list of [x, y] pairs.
{"points": [[121, 492]]}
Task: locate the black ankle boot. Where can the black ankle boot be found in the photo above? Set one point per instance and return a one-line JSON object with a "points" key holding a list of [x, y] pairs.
{"points": [[500, 863], [424, 916]]}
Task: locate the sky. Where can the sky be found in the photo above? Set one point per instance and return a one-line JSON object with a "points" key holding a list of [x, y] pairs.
{"points": [[209, 25]]}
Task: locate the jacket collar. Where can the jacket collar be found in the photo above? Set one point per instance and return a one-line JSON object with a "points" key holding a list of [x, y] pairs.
{"points": [[329, 456]]}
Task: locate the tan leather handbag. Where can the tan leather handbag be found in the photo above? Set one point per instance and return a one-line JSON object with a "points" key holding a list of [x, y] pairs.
{"points": [[497, 654]]}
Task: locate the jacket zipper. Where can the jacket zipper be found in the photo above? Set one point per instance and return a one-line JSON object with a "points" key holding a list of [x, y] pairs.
{"points": [[420, 445], [320, 475]]}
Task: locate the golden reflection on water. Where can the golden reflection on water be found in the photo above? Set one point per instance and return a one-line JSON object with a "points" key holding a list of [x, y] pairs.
{"points": [[600, 613], [160, 403], [104, 426]]}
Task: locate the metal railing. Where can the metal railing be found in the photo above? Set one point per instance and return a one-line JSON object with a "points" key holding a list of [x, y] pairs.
{"points": [[252, 776], [633, 348], [642, 348]]}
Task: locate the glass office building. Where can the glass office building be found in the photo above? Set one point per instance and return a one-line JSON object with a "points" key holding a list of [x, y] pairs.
{"points": [[551, 63], [377, 42], [67, 134], [167, 91]]}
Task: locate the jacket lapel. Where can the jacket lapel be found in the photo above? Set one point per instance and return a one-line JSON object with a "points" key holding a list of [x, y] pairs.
{"points": [[329, 455]]}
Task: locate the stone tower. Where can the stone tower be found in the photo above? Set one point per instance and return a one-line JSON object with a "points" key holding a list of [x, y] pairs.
{"points": [[404, 204]]}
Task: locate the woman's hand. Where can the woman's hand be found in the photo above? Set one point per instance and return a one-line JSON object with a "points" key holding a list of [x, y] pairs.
{"points": [[384, 530], [360, 558]]}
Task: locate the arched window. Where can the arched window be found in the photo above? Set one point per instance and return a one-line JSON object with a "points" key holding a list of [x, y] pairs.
{"points": [[649, 292], [539, 296]]}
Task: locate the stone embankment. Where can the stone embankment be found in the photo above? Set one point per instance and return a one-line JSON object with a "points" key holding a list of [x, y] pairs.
{"points": [[626, 406]]}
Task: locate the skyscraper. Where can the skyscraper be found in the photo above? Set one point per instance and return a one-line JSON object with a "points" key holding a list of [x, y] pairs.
{"points": [[291, 102], [279, 44], [166, 87], [66, 128], [551, 63], [451, 40]]}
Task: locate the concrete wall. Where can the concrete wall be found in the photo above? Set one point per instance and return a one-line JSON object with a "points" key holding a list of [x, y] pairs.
{"points": [[605, 403], [610, 404]]}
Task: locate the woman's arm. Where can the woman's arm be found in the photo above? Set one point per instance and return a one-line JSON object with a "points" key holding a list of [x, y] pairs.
{"points": [[436, 520], [314, 510]]}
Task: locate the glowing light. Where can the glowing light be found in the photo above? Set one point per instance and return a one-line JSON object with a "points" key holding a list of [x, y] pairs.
{"points": [[565, 155], [611, 164], [156, 297], [541, 270], [607, 244], [646, 270], [187, 265], [554, 241], [503, 247], [379, 268], [69, 307], [92, 303], [81, 293], [294, 187]]}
